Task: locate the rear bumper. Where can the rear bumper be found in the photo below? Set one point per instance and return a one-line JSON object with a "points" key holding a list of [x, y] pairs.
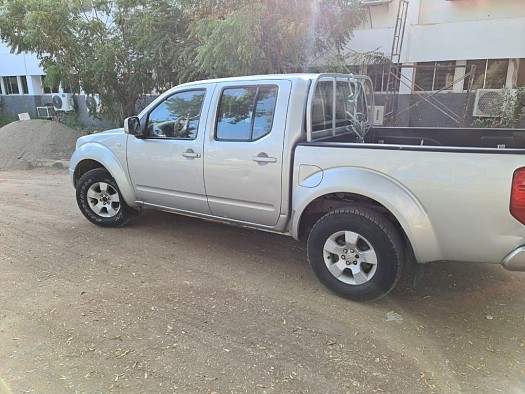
{"points": [[515, 260]]}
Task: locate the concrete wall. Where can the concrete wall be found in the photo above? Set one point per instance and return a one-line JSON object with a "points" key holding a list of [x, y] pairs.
{"points": [[16, 104]]}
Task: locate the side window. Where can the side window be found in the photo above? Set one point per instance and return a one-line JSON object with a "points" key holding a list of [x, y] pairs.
{"points": [[246, 113], [177, 116], [322, 106]]}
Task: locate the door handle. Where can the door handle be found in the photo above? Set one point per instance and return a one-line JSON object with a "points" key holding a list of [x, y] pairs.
{"points": [[191, 154], [263, 159]]}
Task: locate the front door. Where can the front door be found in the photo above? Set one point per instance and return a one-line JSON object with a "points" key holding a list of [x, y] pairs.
{"points": [[166, 165], [244, 151]]}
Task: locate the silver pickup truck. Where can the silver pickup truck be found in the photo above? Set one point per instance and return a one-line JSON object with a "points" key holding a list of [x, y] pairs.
{"points": [[297, 155]]}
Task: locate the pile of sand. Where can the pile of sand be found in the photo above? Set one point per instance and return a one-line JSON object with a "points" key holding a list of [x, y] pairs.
{"points": [[25, 143]]}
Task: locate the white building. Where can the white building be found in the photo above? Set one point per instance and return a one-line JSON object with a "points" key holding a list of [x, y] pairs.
{"points": [[20, 74], [487, 33], [443, 40]]}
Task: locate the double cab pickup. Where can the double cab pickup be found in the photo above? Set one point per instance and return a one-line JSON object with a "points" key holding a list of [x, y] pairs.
{"points": [[298, 155]]}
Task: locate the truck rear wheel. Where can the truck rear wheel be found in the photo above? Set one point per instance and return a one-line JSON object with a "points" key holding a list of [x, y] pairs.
{"points": [[357, 253], [100, 200]]}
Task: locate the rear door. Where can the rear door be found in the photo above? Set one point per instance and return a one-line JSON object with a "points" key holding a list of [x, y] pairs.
{"points": [[244, 150]]}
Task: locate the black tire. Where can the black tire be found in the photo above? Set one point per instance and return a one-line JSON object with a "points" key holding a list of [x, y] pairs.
{"points": [[112, 213], [374, 267]]}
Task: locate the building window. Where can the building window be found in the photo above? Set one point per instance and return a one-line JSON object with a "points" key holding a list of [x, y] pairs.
{"points": [[489, 73], [378, 73], [433, 76], [25, 89], [521, 73], [47, 89], [11, 85]]}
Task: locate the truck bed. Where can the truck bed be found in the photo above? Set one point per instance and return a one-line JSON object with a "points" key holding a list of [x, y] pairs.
{"points": [[440, 137]]}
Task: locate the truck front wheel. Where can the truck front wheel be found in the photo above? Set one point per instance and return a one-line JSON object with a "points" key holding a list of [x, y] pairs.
{"points": [[100, 200], [357, 253]]}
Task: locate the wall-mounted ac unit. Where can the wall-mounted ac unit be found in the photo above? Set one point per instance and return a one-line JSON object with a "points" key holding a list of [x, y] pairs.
{"points": [[375, 2], [379, 116], [93, 103], [45, 112], [63, 102], [487, 103]]}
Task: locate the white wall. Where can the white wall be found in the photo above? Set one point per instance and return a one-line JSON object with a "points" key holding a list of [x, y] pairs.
{"points": [[489, 39], [23, 64], [441, 11], [448, 30]]}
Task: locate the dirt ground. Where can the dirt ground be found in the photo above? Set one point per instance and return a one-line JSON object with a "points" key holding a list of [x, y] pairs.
{"points": [[170, 304]]}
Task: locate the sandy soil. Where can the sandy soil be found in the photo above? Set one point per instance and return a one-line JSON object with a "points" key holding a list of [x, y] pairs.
{"points": [[23, 144], [176, 305]]}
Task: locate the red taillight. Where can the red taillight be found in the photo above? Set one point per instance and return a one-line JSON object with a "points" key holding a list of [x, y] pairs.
{"points": [[517, 195]]}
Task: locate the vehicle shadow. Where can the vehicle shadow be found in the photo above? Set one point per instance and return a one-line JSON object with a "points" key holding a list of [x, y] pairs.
{"points": [[444, 285], [458, 285]]}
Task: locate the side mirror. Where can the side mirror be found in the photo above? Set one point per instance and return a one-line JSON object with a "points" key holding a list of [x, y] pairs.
{"points": [[132, 125]]}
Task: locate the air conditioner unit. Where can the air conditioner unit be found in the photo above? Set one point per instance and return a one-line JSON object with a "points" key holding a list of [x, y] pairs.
{"points": [[45, 112], [375, 2], [93, 103], [487, 103], [63, 102], [379, 116]]}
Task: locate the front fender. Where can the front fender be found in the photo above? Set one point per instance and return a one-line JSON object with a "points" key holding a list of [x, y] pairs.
{"points": [[392, 195], [107, 158]]}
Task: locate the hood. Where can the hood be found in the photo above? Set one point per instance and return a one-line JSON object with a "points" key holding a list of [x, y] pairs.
{"points": [[100, 137]]}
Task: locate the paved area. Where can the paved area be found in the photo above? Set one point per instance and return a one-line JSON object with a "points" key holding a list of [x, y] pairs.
{"points": [[170, 304]]}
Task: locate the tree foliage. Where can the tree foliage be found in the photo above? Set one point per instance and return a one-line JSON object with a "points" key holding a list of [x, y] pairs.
{"points": [[270, 36], [98, 46], [123, 49], [511, 110]]}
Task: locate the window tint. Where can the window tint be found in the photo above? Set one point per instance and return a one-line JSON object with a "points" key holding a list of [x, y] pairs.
{"points": [[177, 116], [246, 113]]}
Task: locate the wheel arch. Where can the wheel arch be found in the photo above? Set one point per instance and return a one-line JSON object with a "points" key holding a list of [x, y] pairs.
{"points": [[343, 187], [90, 156]]}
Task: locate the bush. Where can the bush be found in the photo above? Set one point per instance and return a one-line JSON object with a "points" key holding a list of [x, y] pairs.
{"points": [[7, 118], [512, 110]]}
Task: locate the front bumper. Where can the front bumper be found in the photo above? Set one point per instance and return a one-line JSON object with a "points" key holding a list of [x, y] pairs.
{"points": [[515, 260]]}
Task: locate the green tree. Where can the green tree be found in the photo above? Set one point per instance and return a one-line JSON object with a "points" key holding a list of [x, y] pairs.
{"points": [[268, 36], [98, 46], [123, 49], [510, 110]]}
